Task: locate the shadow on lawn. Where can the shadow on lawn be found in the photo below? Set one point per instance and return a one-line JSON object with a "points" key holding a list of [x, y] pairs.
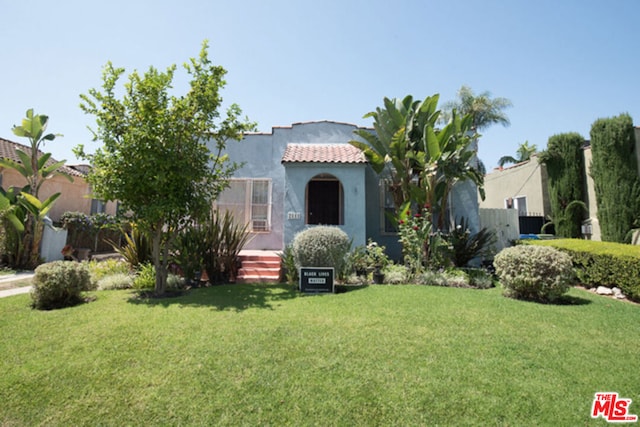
{"points": [[571, 300], [236, 297], [225, 297]]}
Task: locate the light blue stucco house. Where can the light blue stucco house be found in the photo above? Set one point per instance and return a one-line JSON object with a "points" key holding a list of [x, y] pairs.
{"points": [[306, 174]]}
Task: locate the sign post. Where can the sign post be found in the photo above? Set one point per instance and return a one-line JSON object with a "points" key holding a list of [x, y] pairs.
{"points": [[316, 280]]}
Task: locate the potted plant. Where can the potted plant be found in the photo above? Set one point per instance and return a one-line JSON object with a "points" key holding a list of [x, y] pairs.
{"points": [[377, 260]]}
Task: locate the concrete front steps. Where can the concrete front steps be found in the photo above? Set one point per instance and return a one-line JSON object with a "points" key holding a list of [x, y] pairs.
{"points": [[259, 267]]}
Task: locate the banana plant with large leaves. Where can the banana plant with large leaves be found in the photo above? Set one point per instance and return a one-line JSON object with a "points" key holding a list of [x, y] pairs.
{"points": [[31, 166], [444, 159], [422, 162], [390, 149], [23, 215], [25, 212]]}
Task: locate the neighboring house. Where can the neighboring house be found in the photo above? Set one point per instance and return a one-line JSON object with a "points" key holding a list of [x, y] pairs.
{"points": [[307, 174], [75, 196], [523, 187]]}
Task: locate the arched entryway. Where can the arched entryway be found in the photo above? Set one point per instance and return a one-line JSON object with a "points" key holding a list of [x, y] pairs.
{"points": [[324, 202]]}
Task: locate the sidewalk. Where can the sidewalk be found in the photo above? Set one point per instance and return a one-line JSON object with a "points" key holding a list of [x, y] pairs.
{"points": [[14, 278]]}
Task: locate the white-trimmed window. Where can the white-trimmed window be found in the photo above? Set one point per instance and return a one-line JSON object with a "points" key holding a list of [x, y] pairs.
{"points": [[519, 203], [249, 201]]}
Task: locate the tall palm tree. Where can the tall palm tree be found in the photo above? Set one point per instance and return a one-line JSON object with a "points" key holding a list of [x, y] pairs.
{"points": [[524, 153], [485, 110]]}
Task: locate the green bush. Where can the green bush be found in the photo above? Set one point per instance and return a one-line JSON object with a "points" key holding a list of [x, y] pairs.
{"points": [[534, 273], [466, 246], [288, 268], [136, 249], [432, 278], [115, 281], [395, 274], [479, 278], [455, 278], [565, 169], [145, 279], [321, 246], [60, 284], [190, 247], [107, 267], [224, 238], [602, 263], [614, 168]]}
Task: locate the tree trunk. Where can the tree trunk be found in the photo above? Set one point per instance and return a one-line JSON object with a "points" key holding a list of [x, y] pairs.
{"points": [[161, 271]]}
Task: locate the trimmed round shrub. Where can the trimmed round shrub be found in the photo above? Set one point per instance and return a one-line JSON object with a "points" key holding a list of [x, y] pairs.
{"points": [[60, 284], [534, 273], [321, 246]]}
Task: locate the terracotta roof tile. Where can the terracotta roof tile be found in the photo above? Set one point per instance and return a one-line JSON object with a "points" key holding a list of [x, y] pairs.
{"points": [[323, 153], [8, 151]]}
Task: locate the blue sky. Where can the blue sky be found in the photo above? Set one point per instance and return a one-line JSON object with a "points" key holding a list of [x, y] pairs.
{"points": [[563, 64]]}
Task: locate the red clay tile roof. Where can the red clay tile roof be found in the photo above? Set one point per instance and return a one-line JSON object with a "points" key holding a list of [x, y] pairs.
{"points": [[8, 151], [323, 153]]}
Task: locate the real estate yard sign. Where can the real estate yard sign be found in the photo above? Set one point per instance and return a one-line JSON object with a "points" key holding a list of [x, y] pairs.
{"points": [[316, 280]]}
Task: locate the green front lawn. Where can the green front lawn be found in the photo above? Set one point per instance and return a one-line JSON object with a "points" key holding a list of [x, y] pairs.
{"points": [[265, 355]]}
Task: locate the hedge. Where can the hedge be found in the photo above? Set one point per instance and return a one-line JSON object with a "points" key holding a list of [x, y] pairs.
{"points": [[602, 263]]}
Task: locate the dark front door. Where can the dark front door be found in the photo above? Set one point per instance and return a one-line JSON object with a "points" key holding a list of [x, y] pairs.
{"points": [[323, 202]]}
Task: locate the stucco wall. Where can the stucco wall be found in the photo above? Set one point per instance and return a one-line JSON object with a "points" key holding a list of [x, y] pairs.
{"points": [[75, 196], [351, 177], [261, 155], [527, 179]]}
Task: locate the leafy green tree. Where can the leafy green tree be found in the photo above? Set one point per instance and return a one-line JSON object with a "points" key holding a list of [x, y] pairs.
{"points": [[564, 161], [26, 213], [154, 159], [484, 110], [614, 169], [524, 153]]}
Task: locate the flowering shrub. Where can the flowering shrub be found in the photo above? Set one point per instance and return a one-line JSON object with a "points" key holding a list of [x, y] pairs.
{"points": [[414, 232], [534, 273], [421, 246]]}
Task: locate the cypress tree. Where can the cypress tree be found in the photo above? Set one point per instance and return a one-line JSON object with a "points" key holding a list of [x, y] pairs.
{"points": [[565, 165], [614, 169]]}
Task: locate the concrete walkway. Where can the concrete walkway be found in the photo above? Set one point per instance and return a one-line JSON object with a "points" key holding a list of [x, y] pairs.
{"points": [[15, 278]]}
